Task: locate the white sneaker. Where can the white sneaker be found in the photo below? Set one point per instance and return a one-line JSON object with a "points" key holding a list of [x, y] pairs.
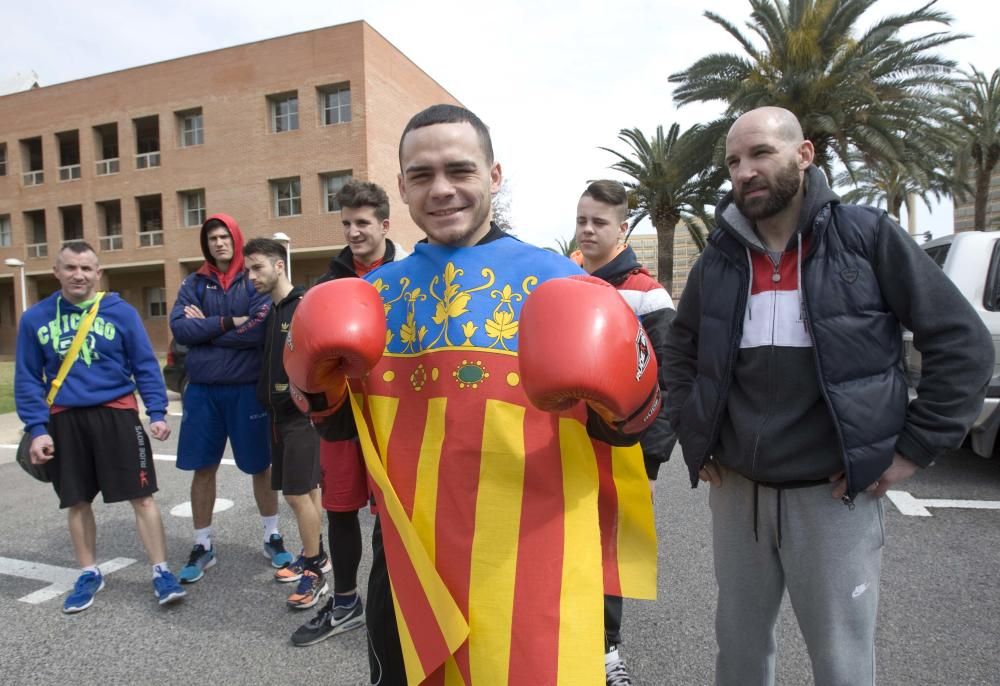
{"points": [[614, 668]]}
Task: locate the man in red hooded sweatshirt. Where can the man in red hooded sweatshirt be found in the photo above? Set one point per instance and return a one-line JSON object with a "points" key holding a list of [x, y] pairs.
{"points": [[219, 315]]}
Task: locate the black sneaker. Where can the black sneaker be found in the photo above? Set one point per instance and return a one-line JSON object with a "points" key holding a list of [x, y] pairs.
{"points": [[331, 620]]}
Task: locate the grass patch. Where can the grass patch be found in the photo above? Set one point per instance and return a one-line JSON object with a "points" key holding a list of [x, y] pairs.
{"points": [[6, 387]]}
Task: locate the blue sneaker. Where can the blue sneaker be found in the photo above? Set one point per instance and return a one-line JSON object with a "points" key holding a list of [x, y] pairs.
{"points": [[199, 561], [274, 548], [166, 588], [86, 587]]}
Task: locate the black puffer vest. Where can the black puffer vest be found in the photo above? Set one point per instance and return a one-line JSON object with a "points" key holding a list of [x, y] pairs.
{"points": [[857, 342]]}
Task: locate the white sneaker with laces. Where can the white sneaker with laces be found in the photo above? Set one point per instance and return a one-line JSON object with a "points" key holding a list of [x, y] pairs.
{"points": [[614, 668]]}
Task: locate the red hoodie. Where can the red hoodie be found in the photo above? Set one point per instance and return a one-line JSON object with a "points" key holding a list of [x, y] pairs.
{"points": [[236, 265]]}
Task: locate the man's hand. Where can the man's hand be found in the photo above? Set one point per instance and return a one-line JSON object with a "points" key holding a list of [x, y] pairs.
{"points": [[160, 430], [239, 321], [900, 470], [711, 473], [42, 449], [193, 312]]}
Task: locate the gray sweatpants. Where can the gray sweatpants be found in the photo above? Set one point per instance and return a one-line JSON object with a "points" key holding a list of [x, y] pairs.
{"points": [[829, 559]]}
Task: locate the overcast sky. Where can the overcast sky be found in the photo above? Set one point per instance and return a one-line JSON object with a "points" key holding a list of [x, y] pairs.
{"points": [[553, 80]]}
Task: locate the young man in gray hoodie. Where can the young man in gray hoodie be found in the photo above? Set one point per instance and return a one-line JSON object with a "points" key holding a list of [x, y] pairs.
{"points": [[786, 388]]}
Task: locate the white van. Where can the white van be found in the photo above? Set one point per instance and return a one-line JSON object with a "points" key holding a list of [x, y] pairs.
{"points": [[971, 259]]}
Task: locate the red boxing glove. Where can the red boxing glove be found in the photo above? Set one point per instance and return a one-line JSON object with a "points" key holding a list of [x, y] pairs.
{"points": [[318, 406], [337, 332], [579, 340]]}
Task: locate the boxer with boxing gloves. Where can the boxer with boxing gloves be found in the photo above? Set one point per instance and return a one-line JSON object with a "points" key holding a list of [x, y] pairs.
{"points": [[462, 370]]}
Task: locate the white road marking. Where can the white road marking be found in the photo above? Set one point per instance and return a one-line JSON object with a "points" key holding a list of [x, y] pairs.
{"points": [[60, 579], [184, 509], [917, 507]]}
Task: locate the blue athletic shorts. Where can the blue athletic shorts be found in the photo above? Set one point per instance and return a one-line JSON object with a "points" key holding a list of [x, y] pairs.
{"points": [[215, 412]]}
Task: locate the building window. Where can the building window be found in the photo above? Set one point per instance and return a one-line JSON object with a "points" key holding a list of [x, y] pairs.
{"points": [[33, 165], [69, 155], [191, 127], [109, 216], [106, 148], [72, 223], [330, 184], [150, 221], [156, 302], [284, 111], [147, 142], [34, 224], [335, 104], [5, 238], [3, 159], [192, 207], [287, 194]]}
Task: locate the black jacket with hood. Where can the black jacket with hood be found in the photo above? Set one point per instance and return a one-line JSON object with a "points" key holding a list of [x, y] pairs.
{"points": [[272, 386], [791, 415], [342, 265]]}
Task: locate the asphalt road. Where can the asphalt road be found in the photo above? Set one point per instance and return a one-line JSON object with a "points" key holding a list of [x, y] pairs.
{"points": [[939, 618]]}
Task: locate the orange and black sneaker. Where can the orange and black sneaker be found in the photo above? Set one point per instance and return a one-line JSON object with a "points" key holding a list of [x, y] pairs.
{"points": [[311, 588], [293, 572]]}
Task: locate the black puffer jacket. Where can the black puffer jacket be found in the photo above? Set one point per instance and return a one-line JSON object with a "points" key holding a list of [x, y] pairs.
{"points": [[862, 277]]}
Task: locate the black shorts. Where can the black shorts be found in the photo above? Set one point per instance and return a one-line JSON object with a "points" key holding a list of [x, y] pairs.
{"points": [[294, 455], [100, 449]]}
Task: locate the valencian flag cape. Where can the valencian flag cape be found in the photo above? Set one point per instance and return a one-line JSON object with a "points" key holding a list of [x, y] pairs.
{"points": [[503, 525]]}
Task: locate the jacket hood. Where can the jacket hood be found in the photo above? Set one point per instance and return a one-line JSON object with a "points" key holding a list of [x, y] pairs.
{"points": [[342, 264], [236, 265], [817, 196], [623, 264], [109, 300]]}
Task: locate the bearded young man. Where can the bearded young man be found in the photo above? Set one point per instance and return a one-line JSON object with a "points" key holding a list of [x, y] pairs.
{"points": [[788, 396]]}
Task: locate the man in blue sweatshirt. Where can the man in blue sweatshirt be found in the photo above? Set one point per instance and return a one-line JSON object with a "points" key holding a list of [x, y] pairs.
{"points": [[91, 439], [220, 317]]}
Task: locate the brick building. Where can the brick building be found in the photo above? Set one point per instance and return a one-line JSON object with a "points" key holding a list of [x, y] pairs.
{"points": [[133, 161], [686, 253]]}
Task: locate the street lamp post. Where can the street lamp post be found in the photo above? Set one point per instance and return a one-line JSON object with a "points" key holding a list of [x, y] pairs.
{"points": [[14, 262], [284, 238]]}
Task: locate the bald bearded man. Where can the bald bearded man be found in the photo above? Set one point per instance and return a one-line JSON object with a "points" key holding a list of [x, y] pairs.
{"points": [[787, 394]]}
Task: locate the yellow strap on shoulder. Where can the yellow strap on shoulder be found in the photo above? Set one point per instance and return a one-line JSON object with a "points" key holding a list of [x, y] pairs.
{"points": [[74, 349]]}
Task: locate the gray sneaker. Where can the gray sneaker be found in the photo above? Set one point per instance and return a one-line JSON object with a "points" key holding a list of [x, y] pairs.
{"points": [[614, 668], [331, 620]]}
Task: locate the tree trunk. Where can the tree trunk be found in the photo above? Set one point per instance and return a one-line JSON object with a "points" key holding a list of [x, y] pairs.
{"points": [[665, 229], [982, 196], [911, 214], [895, 203]]}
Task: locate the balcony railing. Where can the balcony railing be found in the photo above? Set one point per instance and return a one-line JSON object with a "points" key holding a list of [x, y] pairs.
{"points": [[149, 239], [112, 243], [34, 178], [38, 249], [69, 172], [108, 166], [147, 159]]}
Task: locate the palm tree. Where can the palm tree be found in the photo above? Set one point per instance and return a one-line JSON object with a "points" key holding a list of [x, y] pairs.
{"points": [[851, 90], [974, 113], [566, 248], [886, 183], [673, 181]]}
